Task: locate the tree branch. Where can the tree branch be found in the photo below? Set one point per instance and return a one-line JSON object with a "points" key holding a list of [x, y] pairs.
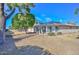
{"points": [[10, 14]]}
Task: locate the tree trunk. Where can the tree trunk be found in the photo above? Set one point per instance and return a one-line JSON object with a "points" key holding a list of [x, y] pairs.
{"points": [[2, 23], [25, 30]]}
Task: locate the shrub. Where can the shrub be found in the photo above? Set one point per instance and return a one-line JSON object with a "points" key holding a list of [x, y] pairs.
{"points": [[77, 37], [59, 33], [51, 34]]}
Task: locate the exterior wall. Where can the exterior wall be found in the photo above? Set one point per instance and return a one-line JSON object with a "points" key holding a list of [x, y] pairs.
{"points": [[67, 27], [30, 30], [68, 30], [56, 28]]}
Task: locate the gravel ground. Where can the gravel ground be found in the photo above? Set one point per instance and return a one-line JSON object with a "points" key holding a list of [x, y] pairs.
{"points": [[9, 48], [65, 44]]}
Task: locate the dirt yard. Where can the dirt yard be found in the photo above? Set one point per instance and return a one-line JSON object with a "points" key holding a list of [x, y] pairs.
{"points": [[59, 44]]}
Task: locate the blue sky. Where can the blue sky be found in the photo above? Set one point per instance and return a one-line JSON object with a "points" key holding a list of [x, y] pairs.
{"points": [[58, 12]]}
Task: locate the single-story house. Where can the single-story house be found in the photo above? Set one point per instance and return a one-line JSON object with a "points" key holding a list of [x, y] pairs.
{"points": [[53, 27]]}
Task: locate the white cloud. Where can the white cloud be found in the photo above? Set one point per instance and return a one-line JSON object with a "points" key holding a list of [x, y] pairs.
{"points": [[48, 19], [39, 19]]}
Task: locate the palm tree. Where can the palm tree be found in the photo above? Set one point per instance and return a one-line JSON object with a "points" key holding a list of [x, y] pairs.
{"points": [[12, 6], [76, 11]]}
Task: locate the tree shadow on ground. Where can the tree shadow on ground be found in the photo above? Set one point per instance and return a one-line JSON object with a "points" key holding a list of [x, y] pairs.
{"points": [[33, 50], [8, 45], [29, 50], [9, 48], [23, 37]]}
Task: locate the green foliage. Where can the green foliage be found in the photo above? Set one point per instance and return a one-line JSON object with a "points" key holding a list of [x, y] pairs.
{"points": [[76, 11], [21, 6], [16, 22], [30, 19], [21, 21]]}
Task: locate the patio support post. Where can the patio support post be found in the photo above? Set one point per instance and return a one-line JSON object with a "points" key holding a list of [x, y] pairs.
{"points": [[46, 29]]}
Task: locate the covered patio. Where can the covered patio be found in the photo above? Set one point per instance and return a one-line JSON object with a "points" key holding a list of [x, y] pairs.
{"points": [[47, 28]]}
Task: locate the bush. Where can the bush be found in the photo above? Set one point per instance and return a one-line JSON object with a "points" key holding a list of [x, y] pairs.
{"points": [[59, 33], [51, 34], [77, 37]]}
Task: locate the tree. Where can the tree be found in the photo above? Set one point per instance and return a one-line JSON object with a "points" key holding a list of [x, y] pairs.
{"points": [[21, 21], [76, 11], [12, 7], [2, 23]]}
